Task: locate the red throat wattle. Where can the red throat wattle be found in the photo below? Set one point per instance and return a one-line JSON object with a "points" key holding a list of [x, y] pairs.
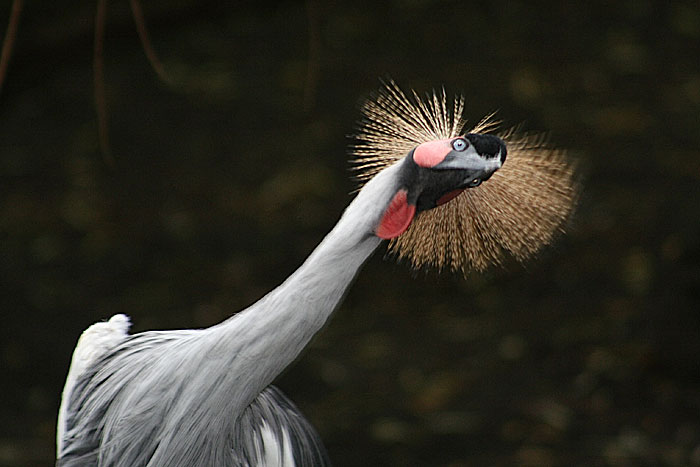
{"points": [[397, 217], [449, 196]]}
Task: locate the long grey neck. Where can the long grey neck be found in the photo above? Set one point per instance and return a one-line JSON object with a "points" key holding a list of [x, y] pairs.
{"points": [[270, 334]]}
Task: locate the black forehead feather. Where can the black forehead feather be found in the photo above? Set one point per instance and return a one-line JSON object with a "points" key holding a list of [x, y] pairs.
{"points": [[486, 145]]}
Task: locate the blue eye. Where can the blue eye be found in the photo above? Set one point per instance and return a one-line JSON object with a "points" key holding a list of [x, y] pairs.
{"points": [[460, 144]]}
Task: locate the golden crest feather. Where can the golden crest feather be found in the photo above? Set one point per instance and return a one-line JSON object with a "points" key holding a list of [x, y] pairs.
{"points": [[517, 211]]}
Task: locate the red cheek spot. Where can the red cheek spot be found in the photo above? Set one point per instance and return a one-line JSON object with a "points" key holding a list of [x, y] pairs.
{"points": [[431, 153], [397, 217], [449, 196]]}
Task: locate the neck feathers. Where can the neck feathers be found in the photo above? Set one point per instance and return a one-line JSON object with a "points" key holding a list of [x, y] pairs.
{"points": [[227, 365], [270, 334]]}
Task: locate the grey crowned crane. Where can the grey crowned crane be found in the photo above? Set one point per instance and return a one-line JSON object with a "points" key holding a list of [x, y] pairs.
{"points": [[442, 196]]}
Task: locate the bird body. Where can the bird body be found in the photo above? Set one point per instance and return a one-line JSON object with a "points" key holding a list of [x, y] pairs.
{"points": [[204, 397], [138, 380]]}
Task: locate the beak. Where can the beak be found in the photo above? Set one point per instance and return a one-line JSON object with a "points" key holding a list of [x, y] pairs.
{"points": [[470, 161]]}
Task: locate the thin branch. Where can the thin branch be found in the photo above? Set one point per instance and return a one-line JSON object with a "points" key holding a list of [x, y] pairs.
{"points": [[9, 42], [148, 49], [99, 82]]}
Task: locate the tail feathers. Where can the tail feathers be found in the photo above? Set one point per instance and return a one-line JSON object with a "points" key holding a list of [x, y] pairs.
{"points": [[95, 342]]}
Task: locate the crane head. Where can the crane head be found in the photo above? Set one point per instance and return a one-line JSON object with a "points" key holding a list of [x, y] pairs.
{"points": [[442, 215], [445, 168], [435, 172]]}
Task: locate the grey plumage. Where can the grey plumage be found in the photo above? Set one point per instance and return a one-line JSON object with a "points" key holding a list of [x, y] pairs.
{"points": [[179, 398], [269, 409], [282, 416]]}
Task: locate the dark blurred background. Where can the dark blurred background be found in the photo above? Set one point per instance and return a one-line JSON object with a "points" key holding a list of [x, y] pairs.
{"points": [[221, 183]]}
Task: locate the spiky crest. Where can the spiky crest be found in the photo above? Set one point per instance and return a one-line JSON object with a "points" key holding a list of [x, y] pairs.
{"points": [[516, 212]]}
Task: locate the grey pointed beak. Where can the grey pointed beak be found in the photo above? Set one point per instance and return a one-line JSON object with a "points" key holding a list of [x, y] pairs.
{"points": [[475, 167], [478, 156], [471, 160]]}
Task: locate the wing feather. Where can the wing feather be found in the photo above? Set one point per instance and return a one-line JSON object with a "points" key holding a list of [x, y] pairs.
{"points": [[93, 344]]}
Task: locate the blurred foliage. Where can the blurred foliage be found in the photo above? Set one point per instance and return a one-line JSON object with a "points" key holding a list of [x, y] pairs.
{"points": [[225, 180]]}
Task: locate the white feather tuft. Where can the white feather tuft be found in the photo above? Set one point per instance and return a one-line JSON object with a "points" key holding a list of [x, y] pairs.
{"points": [[270, 452]]}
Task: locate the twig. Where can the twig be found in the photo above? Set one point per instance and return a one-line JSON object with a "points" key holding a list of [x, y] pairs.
{"points": [[148, 49], [9, 41]]}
